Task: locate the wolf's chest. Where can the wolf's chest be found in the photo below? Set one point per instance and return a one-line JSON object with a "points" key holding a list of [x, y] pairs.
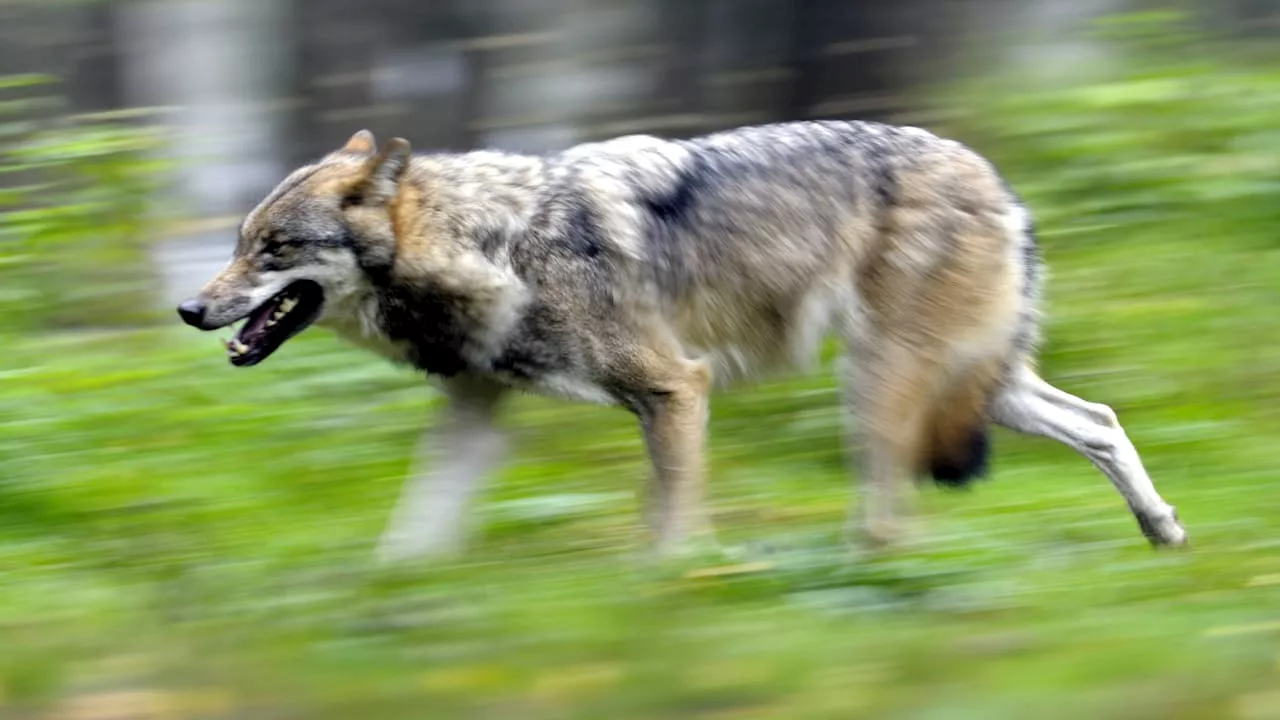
{"points": [[359, 324]]}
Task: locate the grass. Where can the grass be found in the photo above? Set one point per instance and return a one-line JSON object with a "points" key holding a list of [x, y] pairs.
{"points": [[181, 539]]}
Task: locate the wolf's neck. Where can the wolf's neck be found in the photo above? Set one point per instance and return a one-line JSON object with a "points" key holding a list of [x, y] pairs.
{"points": [[451, 297], [456, 216], [475, 200]]}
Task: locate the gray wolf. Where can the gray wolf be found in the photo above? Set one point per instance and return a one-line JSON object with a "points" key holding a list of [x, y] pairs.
{"points": [[643, 273]]}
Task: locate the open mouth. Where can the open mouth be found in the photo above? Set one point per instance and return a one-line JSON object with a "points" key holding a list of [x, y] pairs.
{"points": [[286, 314]]}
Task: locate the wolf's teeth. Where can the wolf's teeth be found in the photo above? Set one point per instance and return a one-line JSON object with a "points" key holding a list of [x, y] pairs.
{"points": [[288, 304], [235, 347]]}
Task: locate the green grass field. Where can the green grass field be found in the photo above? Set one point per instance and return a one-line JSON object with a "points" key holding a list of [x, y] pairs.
{"points": [[182, 539]]}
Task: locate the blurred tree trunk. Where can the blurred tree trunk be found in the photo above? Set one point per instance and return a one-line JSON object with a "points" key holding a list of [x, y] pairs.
{"points": [[217, 68]]}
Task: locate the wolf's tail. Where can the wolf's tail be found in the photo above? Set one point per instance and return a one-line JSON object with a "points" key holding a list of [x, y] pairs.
{"points": [[956, 442]]}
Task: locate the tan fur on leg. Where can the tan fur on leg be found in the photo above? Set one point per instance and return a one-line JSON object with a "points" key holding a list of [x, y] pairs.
{"points": [[674, 422]]}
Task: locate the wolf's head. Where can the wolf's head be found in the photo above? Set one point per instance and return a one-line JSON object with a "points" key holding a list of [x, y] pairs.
{"points": [[307, 249]]}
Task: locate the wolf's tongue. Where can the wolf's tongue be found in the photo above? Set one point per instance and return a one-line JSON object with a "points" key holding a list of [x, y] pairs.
{"points": [[257, 323]]}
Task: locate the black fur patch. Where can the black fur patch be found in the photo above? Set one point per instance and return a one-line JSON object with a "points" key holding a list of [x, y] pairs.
{"points": [[671, 216], [582, 234], [885, 185], [675, 205], [959, 470], [534, 349], [438, 327], [432, 322]]}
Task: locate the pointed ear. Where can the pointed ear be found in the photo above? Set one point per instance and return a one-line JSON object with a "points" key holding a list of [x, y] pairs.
{"points": [[384, 171], [362, 143]]}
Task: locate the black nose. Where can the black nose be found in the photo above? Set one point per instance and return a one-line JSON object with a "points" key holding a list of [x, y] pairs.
{"points": [[192, 312]]}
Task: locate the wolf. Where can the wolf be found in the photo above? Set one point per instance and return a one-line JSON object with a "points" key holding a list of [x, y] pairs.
{"points": [[644, 273]]}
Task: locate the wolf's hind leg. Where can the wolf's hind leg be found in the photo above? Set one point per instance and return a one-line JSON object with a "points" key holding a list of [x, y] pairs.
{"points": [[886, 395], [1030, 405], [463, 446]]}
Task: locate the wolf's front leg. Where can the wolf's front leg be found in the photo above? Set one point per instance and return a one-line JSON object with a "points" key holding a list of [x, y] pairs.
{"points": [[463, 446], [674, 417]]}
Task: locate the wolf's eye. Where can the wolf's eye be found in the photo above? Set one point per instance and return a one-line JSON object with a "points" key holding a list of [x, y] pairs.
{"points": [[277, 252], [278, 244]]}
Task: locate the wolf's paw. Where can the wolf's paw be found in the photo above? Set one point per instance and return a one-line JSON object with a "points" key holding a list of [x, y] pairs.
{"points": [[698, 550], [1163, 530], [398, 548], [885, 537], [699, 546]]}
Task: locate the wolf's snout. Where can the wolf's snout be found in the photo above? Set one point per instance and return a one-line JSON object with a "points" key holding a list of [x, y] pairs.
{"points": [[192, 312]]}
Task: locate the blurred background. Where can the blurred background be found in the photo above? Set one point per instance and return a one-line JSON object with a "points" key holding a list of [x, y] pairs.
{"points": [[181, 539]]}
